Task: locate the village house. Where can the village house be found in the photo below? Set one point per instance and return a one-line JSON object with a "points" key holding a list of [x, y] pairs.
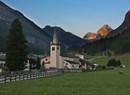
{"points": [[2, 62], [30, 63]]}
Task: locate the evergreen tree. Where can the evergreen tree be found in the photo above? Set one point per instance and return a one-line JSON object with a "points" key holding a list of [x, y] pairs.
{"points": [[16, 47], [38, 65], [109, 54]]}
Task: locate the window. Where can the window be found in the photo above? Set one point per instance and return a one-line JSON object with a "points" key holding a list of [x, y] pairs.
{"points": [[46, 59], [72, 65], [53, 48], [57, 48], [66, 63]]}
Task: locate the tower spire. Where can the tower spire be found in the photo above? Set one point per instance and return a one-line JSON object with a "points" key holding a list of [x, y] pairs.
{"points": [[55, 39]]}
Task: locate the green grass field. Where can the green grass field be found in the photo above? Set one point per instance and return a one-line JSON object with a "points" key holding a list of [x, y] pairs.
{"points": [[107, 82], [102, 60]]}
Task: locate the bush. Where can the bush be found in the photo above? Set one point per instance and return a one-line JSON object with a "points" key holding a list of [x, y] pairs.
{"points": [[114, 63], [103, 67]]}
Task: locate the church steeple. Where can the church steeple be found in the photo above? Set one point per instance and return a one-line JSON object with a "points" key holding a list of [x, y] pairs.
{"points": [[55, 38], [55, 52]]}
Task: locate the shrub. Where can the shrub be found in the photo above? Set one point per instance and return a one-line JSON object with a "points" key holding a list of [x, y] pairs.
{"points": [[103, 67], [114, 63]]}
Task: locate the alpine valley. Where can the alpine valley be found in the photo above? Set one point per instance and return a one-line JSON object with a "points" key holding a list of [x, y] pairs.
{"points": [[38, 38], [106, 38]]}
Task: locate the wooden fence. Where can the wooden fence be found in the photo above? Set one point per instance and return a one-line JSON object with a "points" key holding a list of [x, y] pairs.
{"points": [[18, 77]]}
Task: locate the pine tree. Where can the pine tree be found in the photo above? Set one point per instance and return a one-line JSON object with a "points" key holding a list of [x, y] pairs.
{"points": [[16, 47], [38, 65]]}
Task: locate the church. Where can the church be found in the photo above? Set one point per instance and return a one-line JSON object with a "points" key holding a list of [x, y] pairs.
{"points": [[64, 61]]}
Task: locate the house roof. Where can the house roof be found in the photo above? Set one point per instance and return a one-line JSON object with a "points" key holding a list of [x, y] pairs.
{"points": [[86, 62], [2, 57], [71, 62], [80, 53], [32, 56], [44, 57], [69, 55]]}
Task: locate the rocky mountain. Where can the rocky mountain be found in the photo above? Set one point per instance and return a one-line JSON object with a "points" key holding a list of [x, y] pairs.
{"points": [[124, 26], [90, 36], [101, 33], [66, 39], [117, 40], [38, 39], [104, 30]]}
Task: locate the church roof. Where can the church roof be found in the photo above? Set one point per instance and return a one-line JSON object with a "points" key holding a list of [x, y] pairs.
{"points": [[68, 55], [86, 62], [71, 62], [55, 39]]}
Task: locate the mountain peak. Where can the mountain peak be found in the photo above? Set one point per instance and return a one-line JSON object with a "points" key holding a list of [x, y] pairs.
{"points": [[104, 30], [67, 39], [90, 36], [105, 25]]}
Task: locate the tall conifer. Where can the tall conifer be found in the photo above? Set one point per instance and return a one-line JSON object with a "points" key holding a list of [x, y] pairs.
{"points": [[16, 47]]}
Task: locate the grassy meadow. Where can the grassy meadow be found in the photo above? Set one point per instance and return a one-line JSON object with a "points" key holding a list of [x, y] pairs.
{"points": [[102, 60], [107, 82]]}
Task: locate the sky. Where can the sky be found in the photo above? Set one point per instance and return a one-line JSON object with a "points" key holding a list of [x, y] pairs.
{"points": [[76, 16]]}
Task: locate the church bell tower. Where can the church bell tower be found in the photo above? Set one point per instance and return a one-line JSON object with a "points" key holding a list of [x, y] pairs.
{"points": [[55, 52]]}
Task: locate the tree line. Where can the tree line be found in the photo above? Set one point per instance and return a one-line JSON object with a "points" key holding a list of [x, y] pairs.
{"points": [[119, 44]]}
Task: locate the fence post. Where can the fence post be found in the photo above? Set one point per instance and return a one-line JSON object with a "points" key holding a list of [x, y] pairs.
{"points": [[33, 75], [37, 75], [30, 75], [5, 79], [10, 78], [19, 77], [46, 74], [42, 74], [23, 76], [15, 77]]}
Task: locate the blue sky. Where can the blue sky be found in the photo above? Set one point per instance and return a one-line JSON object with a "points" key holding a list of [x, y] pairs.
{"points": [[76, 16]]}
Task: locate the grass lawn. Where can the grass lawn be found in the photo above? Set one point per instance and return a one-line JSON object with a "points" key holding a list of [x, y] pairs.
{"points": [[102, 60], [107, 82]]}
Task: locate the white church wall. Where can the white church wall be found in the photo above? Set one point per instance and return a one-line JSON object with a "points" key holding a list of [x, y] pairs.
{"points": [[0, 70], [55, 55], [47, 66], [61, 62], [45, 60]]}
